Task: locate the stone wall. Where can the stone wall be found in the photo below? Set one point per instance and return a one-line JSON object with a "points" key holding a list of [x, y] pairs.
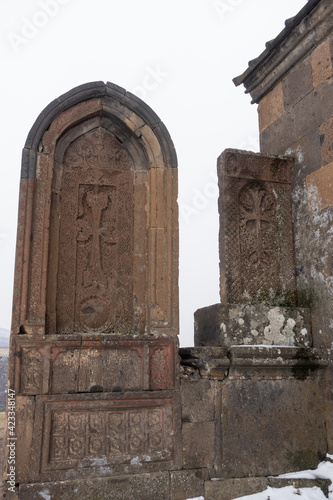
{"points": [[292, 82]]}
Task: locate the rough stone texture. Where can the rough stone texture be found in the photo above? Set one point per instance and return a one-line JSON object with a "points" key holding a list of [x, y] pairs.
{"points": [[198, 400], [281, 482], [304, 130], [145, 486], [187, 484], [270, 405], [295, 88], [261, 418], [326, 143], [272, 107], [321, 63], [276, 363], [93, 357], [226, 325], [205, 362], [198, 444], [255, 239], [320, 189]]}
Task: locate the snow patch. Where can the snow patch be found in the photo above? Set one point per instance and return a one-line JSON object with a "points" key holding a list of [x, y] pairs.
{"points": [[45, 494], [323, 471]]}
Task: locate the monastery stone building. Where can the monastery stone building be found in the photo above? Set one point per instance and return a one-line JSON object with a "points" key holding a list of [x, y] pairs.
{"points": [[107, 405]]}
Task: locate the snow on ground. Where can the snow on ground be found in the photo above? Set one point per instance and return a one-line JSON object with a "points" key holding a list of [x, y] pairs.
{"points": [[323, 471], [287, 493]]}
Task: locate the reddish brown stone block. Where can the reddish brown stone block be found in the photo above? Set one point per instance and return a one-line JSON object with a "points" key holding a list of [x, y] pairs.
{"points": [[321, 63], [271, 107], [198, 444], [258, 431], [320, 189], [95, 364]]}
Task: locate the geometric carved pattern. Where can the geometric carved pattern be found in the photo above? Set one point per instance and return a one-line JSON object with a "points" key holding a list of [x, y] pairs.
{"points": [[116, 432], [256, 241], [95, 267]]}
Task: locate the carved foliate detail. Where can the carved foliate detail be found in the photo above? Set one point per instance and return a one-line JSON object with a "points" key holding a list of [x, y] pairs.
{"points": [[32, 372]]}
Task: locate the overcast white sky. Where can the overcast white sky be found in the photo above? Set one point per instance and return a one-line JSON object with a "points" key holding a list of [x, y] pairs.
{"points": [[179, 56]]}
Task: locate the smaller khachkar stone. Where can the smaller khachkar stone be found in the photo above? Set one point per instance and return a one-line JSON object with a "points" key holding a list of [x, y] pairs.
{"points": [[256, 240]]}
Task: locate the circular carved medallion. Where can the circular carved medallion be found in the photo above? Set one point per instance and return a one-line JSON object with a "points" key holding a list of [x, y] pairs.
{"points": [[94, 313]]}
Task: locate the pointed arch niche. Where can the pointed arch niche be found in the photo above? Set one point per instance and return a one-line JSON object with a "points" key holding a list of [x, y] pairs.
{"points": [[97, 247]]}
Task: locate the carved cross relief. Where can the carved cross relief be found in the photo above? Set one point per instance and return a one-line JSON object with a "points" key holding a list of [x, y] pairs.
{"points": [[257, 209], [94, 290], [91, 228]]}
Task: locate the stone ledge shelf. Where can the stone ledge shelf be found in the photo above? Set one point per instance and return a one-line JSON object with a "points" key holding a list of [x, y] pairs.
{"points": [[252, 361], [230, 324]]}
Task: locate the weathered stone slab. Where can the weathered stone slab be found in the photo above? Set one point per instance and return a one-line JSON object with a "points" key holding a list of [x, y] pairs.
{"points": [[226, 325], [143, 487], [259, 432], [205, 362], [300, 482], [93, 358], [72, 364], [198, 444], [187, 484], [256, 240], [271, 363], [228, 489]]}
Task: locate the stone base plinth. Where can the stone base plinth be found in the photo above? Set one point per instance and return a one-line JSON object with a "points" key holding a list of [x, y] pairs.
{"points": [[225, 325]]}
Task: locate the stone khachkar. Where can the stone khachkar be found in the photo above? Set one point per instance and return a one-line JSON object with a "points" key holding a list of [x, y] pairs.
{"points": [[256, 236], [258, 340], [257, 268], [93, 358]]}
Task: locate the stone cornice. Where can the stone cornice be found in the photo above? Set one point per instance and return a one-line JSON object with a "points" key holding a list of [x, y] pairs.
{"points": [[302, 33]]}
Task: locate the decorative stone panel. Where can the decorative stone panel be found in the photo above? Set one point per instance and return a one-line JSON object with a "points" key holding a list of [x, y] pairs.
{"points": [[256, 238]]}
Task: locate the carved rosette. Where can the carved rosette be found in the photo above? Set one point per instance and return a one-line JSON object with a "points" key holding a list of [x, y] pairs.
{"points": [[116, 435]]}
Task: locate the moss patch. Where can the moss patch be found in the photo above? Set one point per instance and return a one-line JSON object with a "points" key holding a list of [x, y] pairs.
{"points": [[274, 166]]}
